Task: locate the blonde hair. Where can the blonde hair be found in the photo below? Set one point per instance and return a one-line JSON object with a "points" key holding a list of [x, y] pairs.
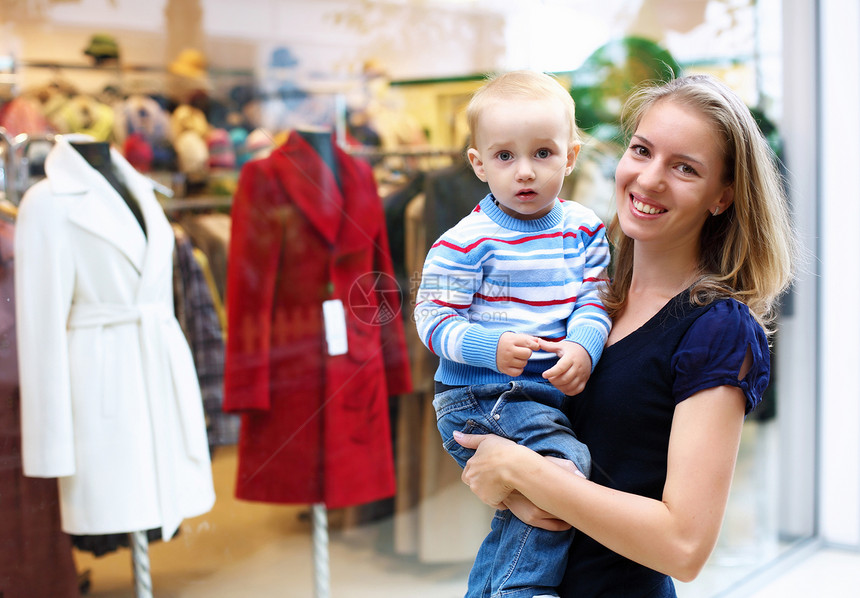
{"points": [[523, 85], [747, 252]]}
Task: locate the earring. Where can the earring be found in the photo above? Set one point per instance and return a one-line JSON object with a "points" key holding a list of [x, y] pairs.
{"points": [[716, 210]]}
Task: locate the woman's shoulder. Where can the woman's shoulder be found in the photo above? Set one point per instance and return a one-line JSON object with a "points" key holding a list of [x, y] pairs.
{"points": [[728, 317], [714, 348]]}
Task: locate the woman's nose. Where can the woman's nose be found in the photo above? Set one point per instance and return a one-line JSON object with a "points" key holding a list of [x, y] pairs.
{"points": [[651, 175]]}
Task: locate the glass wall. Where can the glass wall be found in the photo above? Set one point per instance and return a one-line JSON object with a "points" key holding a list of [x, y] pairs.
{"points": [[335, 483]]}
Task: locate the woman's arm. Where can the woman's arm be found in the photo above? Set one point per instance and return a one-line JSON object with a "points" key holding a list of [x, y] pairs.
{"points": [[674, 535]]}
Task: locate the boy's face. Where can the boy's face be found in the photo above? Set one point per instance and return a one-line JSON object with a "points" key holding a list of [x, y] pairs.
{"points": [[522, 152]]}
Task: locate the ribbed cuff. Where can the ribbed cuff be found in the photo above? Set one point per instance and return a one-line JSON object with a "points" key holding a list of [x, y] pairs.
{"points": [[480, 346], [592, 338]]}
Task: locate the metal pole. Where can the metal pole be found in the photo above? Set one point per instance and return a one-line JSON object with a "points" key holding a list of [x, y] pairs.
{"points": [[140, 561], [320, 546]]}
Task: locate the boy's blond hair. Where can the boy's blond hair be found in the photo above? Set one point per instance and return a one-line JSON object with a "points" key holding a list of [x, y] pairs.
{"points": [[522, 85]]}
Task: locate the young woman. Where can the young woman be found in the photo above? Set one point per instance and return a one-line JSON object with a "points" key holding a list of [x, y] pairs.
{"points": [[703, 251]]}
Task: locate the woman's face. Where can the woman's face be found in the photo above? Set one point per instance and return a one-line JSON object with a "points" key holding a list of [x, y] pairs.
{"points": [[670, 179]]}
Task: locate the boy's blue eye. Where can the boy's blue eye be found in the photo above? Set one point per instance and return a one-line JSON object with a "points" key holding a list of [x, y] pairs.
{"points": [[543, 153], [504, 156]]}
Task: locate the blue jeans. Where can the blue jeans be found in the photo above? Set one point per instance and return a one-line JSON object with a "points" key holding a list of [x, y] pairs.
{"points": [[515, 560]]}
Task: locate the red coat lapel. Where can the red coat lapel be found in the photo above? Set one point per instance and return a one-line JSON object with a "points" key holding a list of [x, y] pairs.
{"points": [[309, 182]]}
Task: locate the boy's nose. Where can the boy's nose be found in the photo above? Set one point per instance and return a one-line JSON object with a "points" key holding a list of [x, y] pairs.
{"points": [[525, 172]]}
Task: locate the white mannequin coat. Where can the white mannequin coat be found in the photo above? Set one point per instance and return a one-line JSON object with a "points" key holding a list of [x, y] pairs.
{"points": [[110, 402]]}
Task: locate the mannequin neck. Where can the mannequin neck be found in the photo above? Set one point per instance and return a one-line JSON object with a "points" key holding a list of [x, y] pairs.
{"points": [[96, 153], [322, 143]]}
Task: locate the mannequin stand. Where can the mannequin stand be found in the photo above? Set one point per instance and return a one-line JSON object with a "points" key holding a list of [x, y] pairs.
{"points": [[140, 561], [319, 516]]}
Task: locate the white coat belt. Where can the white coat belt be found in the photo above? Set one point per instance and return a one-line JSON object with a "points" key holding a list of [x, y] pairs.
{"points": [[166, 360]]}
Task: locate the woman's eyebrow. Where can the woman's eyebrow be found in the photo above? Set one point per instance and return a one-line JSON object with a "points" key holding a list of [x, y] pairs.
{"points": [[685, 157]]}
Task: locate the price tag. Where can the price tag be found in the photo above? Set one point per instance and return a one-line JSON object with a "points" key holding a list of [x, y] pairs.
{"points": [[334, 318]]}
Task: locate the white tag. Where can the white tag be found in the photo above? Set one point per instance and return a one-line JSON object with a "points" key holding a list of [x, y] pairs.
{"points": [[335, 326]]}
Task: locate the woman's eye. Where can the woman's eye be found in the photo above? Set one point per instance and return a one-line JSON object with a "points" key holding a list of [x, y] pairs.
{"points": [[543, 153], [687, 169], [639, 150]]}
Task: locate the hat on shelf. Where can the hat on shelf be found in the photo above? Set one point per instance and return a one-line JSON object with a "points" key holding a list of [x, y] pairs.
{"points": [[221, 153], [373, 67], [282, 58], [190, 63], [138, 152], [102, 47]]}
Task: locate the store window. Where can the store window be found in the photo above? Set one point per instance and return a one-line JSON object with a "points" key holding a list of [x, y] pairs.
{"points": [[298, 476]]}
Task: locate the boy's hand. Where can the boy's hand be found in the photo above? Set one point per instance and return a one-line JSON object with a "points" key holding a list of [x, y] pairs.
{"points": [[513, 352], [573, 369]]}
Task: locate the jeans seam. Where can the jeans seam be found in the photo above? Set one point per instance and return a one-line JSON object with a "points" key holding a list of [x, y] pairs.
{"points": [[516, 558]]}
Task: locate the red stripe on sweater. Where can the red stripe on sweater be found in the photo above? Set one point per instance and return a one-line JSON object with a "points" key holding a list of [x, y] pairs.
{"points": [[526, 301], [432, 332]]}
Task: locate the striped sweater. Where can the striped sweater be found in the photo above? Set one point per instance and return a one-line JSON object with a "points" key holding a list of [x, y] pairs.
{"points": [[493, 273]]}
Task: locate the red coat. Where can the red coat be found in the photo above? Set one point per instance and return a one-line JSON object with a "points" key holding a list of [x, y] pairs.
{"points": [[315, 427]]}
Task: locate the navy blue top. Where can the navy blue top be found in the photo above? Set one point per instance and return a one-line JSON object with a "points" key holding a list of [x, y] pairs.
{"points": [[624, 416]]}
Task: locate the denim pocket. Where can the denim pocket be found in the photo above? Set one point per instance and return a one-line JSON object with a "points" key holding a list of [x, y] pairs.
{"points": [[457, 410]]}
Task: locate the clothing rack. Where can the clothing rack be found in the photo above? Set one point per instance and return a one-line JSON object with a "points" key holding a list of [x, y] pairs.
{"points": [[197, 204], [15, 177], [14, 169], [218, 202], [7, 165], [406, 152]]}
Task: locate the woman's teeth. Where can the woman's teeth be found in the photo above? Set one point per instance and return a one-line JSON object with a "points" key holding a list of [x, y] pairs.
{"points": [[645, 208]]}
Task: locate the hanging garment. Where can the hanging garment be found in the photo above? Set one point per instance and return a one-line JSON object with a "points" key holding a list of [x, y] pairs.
{"points": [[211, 234], [109, 397], [315, 426], [194, 305], [35, 555], [437, 517], [451, 193], [23, 114]]}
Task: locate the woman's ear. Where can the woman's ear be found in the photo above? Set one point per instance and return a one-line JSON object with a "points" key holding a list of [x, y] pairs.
{"points": [[727, 197], [477, 163]]}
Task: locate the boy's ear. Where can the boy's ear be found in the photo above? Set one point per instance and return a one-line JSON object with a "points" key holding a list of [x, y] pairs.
{"points": [[477, 163], [571, 158]]}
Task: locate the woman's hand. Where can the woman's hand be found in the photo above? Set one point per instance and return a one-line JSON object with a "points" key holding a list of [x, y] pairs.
{"points": [[527, 512], [484, 473], [488, 473]]}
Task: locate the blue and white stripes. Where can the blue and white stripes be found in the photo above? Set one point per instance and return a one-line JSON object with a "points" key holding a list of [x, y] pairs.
{"points": [[493, 273]]}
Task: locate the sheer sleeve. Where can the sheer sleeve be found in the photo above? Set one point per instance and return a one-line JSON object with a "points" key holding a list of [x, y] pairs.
{"points": [[713, 349]]}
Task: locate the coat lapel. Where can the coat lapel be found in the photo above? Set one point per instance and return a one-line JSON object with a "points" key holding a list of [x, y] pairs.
{"points": [[159, 235], [100, 209], [310, 184]]}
